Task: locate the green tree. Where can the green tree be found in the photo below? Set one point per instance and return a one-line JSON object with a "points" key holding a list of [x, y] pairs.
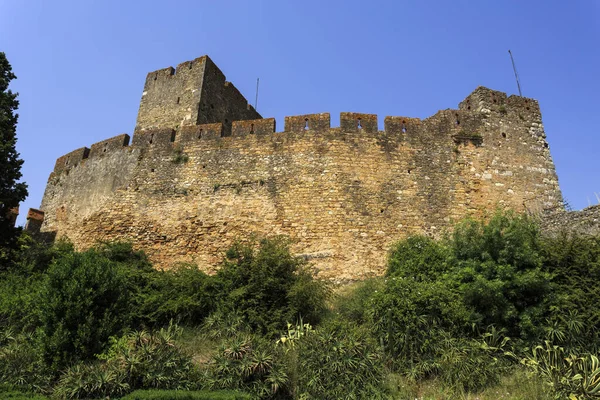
{"points": [[84, 300], [268, 286], [11, 191]]}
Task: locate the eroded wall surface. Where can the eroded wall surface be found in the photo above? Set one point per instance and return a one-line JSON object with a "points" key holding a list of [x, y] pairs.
{"points": [[343, 195]]}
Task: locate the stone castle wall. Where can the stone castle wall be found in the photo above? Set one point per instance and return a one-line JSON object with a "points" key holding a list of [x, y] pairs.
{"points": [[185, 190]]}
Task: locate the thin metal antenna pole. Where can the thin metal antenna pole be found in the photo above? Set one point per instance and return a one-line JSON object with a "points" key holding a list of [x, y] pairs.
{"points": [[516, 75], [256, 99]]}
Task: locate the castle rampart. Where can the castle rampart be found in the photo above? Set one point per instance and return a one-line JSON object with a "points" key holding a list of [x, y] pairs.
{"points": [[343, 194]]}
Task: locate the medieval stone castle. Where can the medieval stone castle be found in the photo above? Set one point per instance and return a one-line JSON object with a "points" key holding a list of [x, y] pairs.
{"points": [[204, 169]]}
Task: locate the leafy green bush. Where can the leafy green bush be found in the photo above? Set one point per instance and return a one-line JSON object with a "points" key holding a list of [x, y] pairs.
{"points": [[21, 364], [139, 360], [574, 262], [183, 294], [500, 275], [249, 364], [467, 365], [356, 301], [410, 318], [185, 395], [84, 301], [569, 375], [268, 286], [420, 258], [339, 361]]}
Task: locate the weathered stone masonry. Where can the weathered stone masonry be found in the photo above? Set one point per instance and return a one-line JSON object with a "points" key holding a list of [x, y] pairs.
{"points": [[204, 169]]}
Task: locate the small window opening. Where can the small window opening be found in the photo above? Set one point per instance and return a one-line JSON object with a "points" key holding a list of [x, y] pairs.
{"points": [[403, 127], [178, 100], [469, 107], [504, 135], [251, 128], [204, 166], [212, 106], [495, 101], [381, 211], [359, 124], [67, 163], [409, 171], [155, 76], [151, 138], [305, 124], [527, 108], [200, 134], [104, 150], [191, 64], [173, 136], [457, 121], [151, 169]]}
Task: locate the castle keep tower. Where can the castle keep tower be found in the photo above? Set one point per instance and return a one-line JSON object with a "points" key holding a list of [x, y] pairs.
{"points": [[204, 170], [195, 93]]}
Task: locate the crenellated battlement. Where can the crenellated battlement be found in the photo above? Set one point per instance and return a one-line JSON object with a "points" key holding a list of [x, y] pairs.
{"points": [[456, 124], [203, 169]]}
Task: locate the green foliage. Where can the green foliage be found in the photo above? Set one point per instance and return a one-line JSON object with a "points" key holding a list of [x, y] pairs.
{"points": [[11, 191], [339, 361], [139, 360], [500, 275], [183, 294], [185, 395], [470, 365], [569, 375], [355, 303], [574, 262], [420, 258], [21, 364], [268, 286], [249, 364], [410, 316], [83, 301], [12, 395]]}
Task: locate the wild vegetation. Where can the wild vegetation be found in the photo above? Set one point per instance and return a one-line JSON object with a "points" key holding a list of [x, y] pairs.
{"points": [[493, 310]]}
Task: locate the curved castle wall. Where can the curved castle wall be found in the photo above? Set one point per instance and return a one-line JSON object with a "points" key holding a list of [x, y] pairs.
{"points": [[343, 194]]}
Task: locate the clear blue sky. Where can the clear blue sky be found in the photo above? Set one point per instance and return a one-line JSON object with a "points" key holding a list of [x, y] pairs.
{"points": [[81, 65]]}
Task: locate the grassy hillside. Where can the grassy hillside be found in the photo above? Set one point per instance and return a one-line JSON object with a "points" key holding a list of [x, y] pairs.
{"points": [[492, 311]]}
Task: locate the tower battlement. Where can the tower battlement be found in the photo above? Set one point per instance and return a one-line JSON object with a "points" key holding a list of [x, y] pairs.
{"points": [[204, 169], [194, 93]]}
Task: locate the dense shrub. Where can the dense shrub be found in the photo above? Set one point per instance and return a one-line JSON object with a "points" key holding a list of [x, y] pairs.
{"points": [[410, 317], [355, 302], [572, 376], [84, 300], [339, 361], [574, 262], [21, 284], [183, 294], [498, 267], [420, 258], [139, 360], [21, 365], [268, 286], [249, 364]]}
